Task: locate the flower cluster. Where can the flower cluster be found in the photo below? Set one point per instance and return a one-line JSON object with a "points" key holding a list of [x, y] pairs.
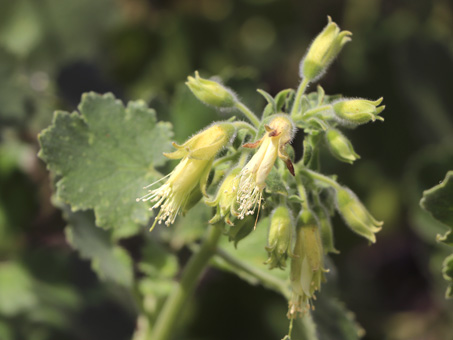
{"points": [[254, 162]]}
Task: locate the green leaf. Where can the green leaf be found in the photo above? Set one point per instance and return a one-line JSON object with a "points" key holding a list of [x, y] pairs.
{"points": [[16, 289], [105, 156], [447, 271], [108, 260], [329, 309], [439, 200]]}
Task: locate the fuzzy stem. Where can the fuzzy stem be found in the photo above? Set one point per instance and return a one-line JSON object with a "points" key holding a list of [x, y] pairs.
{"points": [[248, 113], [322, 178], [246, 126], [298, 100], [182, 291]]}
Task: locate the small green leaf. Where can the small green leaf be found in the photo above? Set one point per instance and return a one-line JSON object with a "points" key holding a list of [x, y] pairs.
{"points": [[282, 97], [105, 156], [439, 200], [270, 100], [108, 260]]}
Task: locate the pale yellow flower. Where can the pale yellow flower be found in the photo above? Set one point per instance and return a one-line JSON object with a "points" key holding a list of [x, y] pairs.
{"points": [[191, 174], [252, 179]]}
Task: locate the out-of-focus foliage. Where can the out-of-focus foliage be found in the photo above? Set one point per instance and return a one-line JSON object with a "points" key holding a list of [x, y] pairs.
{"points": [[52, 51], [439, 202]]}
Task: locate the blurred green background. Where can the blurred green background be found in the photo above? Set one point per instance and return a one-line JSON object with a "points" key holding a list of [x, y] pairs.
{"points": [[52, 51]]}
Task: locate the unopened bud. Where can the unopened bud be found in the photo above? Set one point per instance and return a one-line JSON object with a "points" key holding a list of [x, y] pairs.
{"points": [[326, 46], [356, 215], [225, 198], [358, 111], [280, 235], [211, 92], [340, 147]]}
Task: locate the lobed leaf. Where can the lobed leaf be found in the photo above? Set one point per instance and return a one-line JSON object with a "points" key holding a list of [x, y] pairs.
{"points": [[439, 200], [104, 156], [108, 260]]}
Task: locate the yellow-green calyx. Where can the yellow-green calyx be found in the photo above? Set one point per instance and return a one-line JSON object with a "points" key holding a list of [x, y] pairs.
{"points": [[340, 147], [211, 92], [279, 132], [225, 198], [356, 215], [197, 155], [326, 46], [358, 111], [307, 264], [281, 232]]}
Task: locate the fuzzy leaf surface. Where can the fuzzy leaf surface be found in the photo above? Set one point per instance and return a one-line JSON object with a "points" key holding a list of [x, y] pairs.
{"points": [[104, 156]]}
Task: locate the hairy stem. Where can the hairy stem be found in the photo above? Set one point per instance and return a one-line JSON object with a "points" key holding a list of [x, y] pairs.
{"points": [[298, 100], [248, 113], [174, 305]]}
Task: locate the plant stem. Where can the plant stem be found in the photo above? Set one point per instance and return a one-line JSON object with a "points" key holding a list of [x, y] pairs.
{"points": [[248, 113], [298, 100], [322, 178], [174, 305], [244, 125], [264, 278], [316, 110]]}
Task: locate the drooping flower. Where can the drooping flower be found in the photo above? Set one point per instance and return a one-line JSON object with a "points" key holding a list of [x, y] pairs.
{"points": [[191, 174], [307, 264], [252, 179]]}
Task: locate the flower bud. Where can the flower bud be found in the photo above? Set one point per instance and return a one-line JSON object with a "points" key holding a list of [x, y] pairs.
{"points": [[211, 92], [279, 239], [358, 111], [340, 147], [326, 230], [225, 198], [356, 215], [326, 46], [307, 265]]}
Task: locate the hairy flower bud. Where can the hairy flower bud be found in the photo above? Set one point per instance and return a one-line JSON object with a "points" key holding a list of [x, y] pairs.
{"points": [[340, 147], [225, 198], [358, 111], [307, 264], [326, 46], [281, 232], [356, 215], [211, 92], [197, 156]]}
